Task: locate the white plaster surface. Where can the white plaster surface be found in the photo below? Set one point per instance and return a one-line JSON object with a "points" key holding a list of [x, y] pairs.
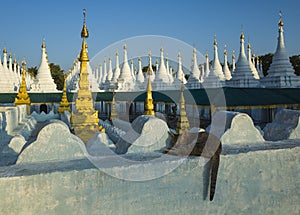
{"points": [[234, 128], [54, 142], [285, 126], [259, 182]]}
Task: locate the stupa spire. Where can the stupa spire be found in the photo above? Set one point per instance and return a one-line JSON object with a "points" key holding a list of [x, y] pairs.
{"points": [[233, 61], [149, 107], [226, 70], [140, 77], [85, 119], [180, 74], [23, 97], [183, 125], [117, 68], [216, 66], [113, 112], [64, 104]]}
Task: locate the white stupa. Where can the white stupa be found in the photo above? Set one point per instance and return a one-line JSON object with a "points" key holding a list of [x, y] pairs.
{"points": [[242, 75], [140, 79], [216, 65], [117, 69], [162, 79], [212, 80], [194, 78], [252, 66], [125, 81], [281, 73], [7, 77], [233, 61], [43, 82], [226, 70], [180, 74]]}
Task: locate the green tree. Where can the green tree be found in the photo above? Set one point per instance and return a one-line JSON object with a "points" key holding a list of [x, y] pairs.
{"points": [[295, 60], [266, 62], [32, 71], [58, 75]]}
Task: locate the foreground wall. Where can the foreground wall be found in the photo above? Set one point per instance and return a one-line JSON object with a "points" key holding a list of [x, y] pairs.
{"points": [[258, 182]]}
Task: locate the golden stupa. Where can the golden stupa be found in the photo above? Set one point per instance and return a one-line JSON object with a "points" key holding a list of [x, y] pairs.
{"points": [[183, 122], [85, 118], [23, 97], [64, 104], [149, 107]]}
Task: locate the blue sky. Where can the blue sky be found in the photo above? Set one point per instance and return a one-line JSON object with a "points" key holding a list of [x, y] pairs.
{"points": [[25, 23]]}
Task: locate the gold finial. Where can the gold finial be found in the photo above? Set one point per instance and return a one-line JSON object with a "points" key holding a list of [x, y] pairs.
{"points": [[43, 43], [280, 23], [249, 46], [206, 54], [4, 50], [242, 36], [178, 55], [117, 53], [233, 56], [194, 51], [84, 54], [139, 59], [125, 46], [10, 56], [225, 52], [84, 31], [161, 49], [215, 41]]}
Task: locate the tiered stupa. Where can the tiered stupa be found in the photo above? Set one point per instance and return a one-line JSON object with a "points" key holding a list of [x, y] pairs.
{"points": [[43, 82], [216, 65], [215, 78], [126, 81], [242, 75], [281, 73], [23, 97], [183, 125], [226, 70], [64, 104], [194, 78], [149, 107], [162, 79], [252, 66], [180, 74], [85, 119]]}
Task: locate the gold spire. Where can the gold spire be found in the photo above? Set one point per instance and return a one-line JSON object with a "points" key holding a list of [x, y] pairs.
{"points": [[64, 104], [23, 97], [280, 23], [215, 41], [84, 31], [242, 36], [85, 119], [113, 113], [249, 46], [149, 107], [183, 122], [4, 50]]}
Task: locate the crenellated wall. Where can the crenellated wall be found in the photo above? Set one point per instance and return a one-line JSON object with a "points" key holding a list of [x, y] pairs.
{"points": [[257, 182]]}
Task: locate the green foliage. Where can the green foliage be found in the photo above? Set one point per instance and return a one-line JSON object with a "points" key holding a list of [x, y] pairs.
{"points": [[266, 62], [32, 71], [58, 75], [295, 60]]}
